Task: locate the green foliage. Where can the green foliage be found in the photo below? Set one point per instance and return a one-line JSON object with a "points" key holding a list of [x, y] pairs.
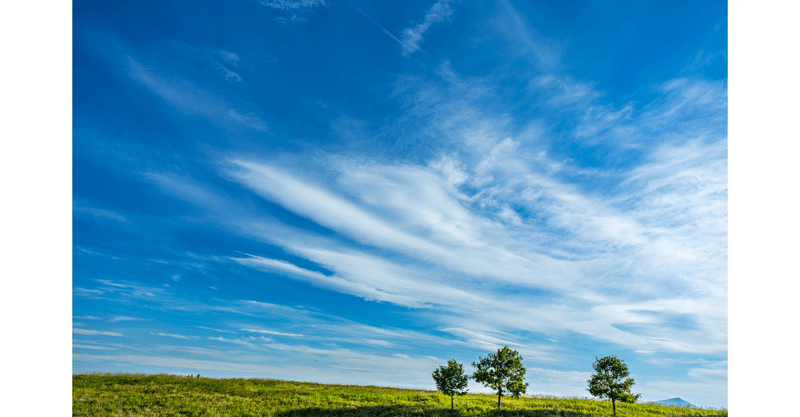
{"points": [[451, 380], [107, 395], [502, 371], [608, 381]]}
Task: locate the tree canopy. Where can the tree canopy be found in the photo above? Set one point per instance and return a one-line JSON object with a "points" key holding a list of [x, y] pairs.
{"points": [[608, 381], [451, 379], [502, 371]]}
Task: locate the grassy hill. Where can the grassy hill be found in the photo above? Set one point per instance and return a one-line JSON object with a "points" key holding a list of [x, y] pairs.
{"points": [[170, 395]]}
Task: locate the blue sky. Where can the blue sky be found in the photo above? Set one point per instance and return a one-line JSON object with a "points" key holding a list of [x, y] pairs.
{"points": [[356, 192]]}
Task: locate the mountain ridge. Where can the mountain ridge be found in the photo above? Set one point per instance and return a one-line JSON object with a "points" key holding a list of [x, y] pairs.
{"points": [[675, 402]]}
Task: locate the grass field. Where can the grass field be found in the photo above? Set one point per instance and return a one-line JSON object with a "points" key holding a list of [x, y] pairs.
{"points": [[170, 395]]}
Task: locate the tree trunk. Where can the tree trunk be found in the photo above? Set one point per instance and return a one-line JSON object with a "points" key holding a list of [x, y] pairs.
{"points": [[499, 394], [614, 406], [451, 403]]}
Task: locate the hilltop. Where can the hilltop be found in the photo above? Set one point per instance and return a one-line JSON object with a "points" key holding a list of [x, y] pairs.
{"points": [[161, 395]]}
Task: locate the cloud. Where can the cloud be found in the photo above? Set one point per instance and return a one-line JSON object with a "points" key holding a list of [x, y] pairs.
{"points": [[524, 38], [405, 205], [86, 332], [356, 222], [271, 332], [176, 336], [375, 342], [480, 339], [236, 78], [380, 26], [286, 20], [716, 370], [287, 4], [216, 330], [307, 200], [412, 37], [122, 318], [90, 347], [563, 90], [132, 290], [346, 286], [219, 353], [250, 120], [230, 58], [86, 292], [100, 213], [189, 98], [236, 341], [687, 325]]}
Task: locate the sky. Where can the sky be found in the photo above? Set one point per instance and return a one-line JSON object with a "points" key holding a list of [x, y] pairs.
{"points": [[356, 192]]}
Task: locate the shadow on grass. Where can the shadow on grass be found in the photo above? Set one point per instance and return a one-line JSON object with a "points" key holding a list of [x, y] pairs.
{"points": [[406, 410]]}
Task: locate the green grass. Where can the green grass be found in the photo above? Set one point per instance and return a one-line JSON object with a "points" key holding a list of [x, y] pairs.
{"points": [[170, 395]]}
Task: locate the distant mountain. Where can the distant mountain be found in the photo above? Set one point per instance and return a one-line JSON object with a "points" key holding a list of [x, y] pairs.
{"points": [[675, 402]]}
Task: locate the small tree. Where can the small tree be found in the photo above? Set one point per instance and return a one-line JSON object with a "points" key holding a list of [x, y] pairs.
{"points": [[451, 380], [502, 371], [608, 381]]}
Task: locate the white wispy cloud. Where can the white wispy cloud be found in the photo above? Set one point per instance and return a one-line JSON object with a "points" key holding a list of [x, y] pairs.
{"points": [[216, 330], [100, 213], [190, 98], [230, 58], [87, 332], [347, 286], [194, 350], [122, 318], [293, 19], [91, 347], [482, 340], [400, 284], [236, 341], [288, 4], [271, 332], [564, 91], [133, 290], [648, 325], [249, 119], [234, 78], [412, 37], [86, 292], [525, 38], [379, 25], [306, 200], [353, 220], [716, 370], [176, 336], [87, 317], [375, 342]]}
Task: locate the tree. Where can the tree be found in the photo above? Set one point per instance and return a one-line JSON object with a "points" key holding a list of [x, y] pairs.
{"points": [[608, 381], [451, 380], [501, 371]]}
